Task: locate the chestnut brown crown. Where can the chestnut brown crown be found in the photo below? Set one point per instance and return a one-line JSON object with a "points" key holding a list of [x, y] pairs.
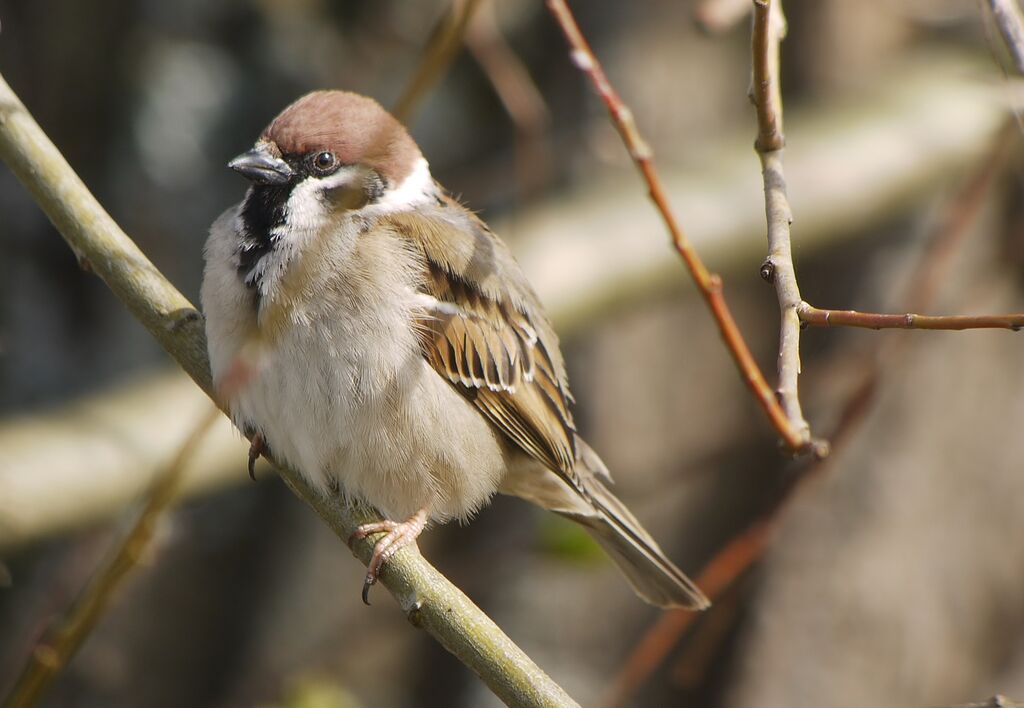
{"points": [[356, 129]]}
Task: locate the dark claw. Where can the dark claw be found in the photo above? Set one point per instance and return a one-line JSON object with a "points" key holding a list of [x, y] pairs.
{"points": [[256, 448], [370, 581]]}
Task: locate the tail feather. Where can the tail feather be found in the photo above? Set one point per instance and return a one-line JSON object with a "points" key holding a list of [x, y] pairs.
{"points": [[653, 576]]}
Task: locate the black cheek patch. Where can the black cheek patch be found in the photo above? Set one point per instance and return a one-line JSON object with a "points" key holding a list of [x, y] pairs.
{"points": [[375, 187]]}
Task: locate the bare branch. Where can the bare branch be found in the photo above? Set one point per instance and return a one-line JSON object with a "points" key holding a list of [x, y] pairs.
{"points": [[66, 635], [766, 91], [769, 28], [709, 284], [1008, 19], [518, 94], [440, 52], [873, 320], [733, 559], [427, 597]]}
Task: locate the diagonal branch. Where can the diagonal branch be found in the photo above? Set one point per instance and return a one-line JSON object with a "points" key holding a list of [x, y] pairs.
{"points": [[795, 437], [430, 601], [1010, 22], [440, 52], [66, 636]]}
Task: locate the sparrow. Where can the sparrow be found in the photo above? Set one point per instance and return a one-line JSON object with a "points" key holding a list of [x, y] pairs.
{"points": [[392, 348]]}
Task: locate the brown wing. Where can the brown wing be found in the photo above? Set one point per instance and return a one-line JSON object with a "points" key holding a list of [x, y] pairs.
{"points": [[483, 330]]}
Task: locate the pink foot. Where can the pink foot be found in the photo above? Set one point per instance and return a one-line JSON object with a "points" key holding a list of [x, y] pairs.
{"points": [[397, 537]]}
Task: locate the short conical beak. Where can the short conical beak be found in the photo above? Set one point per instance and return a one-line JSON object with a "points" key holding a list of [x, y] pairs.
{"points": [[261, 167]]}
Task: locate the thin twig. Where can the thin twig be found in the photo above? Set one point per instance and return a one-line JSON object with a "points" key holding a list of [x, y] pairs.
{"points": [[66, 635], [874, 320], [429, 600], [778, 268], [733, 559], [1008, 19], [709, 284], [441, 50], [718, 575]]}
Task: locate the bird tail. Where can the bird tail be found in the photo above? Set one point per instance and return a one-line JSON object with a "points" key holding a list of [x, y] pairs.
{"points": [[653, 576]]}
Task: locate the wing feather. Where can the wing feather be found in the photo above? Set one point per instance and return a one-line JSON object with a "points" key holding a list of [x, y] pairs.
{"points": [[482, 328]]}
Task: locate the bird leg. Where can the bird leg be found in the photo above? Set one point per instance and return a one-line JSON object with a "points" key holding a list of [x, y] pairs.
{"points": [[257, 447], [397, 536]]}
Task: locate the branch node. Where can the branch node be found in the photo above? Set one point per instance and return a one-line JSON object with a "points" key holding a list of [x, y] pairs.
{"points": [[414, 615], [182, 317], [768, 271], [581, 59], [819, 449]]}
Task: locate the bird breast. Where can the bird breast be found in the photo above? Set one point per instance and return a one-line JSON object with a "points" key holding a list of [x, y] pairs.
{"points": [[337, 383]]}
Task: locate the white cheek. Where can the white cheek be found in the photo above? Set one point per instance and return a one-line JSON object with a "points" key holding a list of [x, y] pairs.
{"points": [[418, 188], [307, 208]]}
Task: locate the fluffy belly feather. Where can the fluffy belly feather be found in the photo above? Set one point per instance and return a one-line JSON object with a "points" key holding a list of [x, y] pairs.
{"points": [[391, 433]]}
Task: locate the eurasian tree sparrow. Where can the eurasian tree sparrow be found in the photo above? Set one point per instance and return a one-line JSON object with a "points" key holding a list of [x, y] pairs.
{"points": [[396, 350]]}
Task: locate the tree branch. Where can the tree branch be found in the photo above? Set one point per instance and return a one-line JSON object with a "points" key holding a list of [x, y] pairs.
{"points": [[769, 28], [66, 635], [1011, 25], [709, 284], [874, 320], [427, 597], [734, 558], [440, 52]]}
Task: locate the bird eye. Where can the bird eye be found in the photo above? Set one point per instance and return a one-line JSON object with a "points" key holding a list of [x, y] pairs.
{"points": [[325, 162]]}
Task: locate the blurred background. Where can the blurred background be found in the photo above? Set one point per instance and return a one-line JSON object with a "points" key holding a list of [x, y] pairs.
{"points": [[891, 574]]}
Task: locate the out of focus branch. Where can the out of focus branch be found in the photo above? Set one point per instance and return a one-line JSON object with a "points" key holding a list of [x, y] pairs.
{"points": [[65, 637], [717, 16], [517, 92], [441, 51], [84, 461], [427, 597], [1008, 19], [996, 701], [710, 284]]}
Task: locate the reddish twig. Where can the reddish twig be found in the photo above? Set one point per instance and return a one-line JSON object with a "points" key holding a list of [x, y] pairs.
{"points": [[742, 551], [795, 438], [874, 320], [718, 575]]}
